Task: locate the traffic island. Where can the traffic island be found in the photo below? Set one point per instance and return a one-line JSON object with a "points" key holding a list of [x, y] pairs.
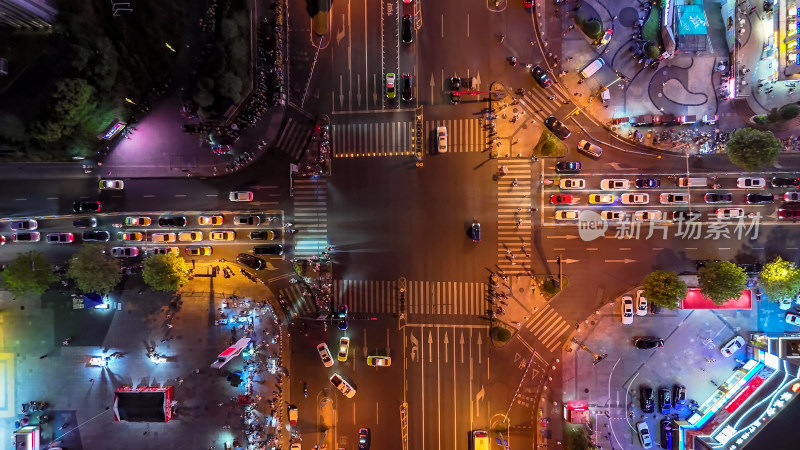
{"points": [[549, 146], [501, 334]]}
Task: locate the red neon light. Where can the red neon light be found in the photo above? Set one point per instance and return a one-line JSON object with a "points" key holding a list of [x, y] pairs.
{"points": [[748, 390]]}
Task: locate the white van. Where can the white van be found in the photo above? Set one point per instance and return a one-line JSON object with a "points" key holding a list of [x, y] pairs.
{"points": [[592, 68], [693, 182]]}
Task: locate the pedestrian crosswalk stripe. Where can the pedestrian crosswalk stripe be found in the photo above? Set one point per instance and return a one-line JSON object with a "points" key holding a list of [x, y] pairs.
{"points": [[513, 205], [294, 138], [422, 297], [372, 139], [463, 135], [548, 326], [310, 216], [297, 302]]}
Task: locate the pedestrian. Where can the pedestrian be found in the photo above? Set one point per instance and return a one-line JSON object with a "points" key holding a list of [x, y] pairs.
{"points": [[43, 356], [91, 380]]}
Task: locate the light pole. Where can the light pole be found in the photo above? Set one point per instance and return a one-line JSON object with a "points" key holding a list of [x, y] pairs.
{"points": [[597, 358]]}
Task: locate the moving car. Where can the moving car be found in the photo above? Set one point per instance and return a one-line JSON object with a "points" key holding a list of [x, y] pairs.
{"points": [[613, 216], [601, 199], [112, 184], [561, 199], [124, 252], [792, 196], [85, 222], [475, 232], [222, 235], [241, 196], [247, 220], [541, 77], [408, 29], [262, 235], [606, 37], [24, 225], [732, 346], [166, 250], [408, 87], [81, 206], [210, 220], [666, 434], [752, 183], [251, 261], [635, 199], [480, 440], [664, 401], [130, 236], [343, 386], [587, 148], [641, 303], [190, 236], [363, 439], [785, 182], [293, 415], [325, 354], [788, 213], [627, 309], [572, 183], [647, 215], [713, 197], [379, 361], [26, 236], [342, 325], [441, 136], [615, 184], [792, 319], [391, 85], [568, 166], [644, 434], [759, 198], [172, 221], [673, 198], [685, 216], [96, 235], [729, 213], [341, 311], [455, 86], [163, 237], [198, 250], [59, 238], [567, 214], [555, 126], [646, 399], [344, 348], [646, 343], [271, 249], [138, 221], [647, 183]]}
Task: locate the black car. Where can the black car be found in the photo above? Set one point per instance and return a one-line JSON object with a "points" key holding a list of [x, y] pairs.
{"points": [[408, 29], [557, 128], [96, 235], [263, 235], [363, 439], [785, 182], [455, 86], [173, 221], [475, 232], [274, 249], [247, 220], [342, 325], [648, 183], [645, 343], [685, 216], [679, 396], [85, 222], [646, 399], [713, 197], [568, 166], [666, 434], [408, 84], [760, 198], [541, 77], [80, 207], [654, 309], [664, 401], [251, 261], [751, 268]]}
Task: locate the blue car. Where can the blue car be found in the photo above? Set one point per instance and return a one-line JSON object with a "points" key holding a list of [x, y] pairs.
{"points": [[475, 232], [648, 183], [568, 166]]}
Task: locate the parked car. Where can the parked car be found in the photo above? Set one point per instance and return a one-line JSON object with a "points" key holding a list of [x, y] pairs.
{"points": [[172, 221], [59, 238], [248, 220], [262, 235], [647, 215], [210, 220], [26, 236], [646, 399], [24, 225], [613, 216], [751, 183], [679, 396], [666, 434], [568, 166], [641, 303], [627, 309], [644, 435], [85, 222], [673, 198], [601, 199], [251, 261], [792, 319], [567, 214], [635, 199], [759, 199], [664, 401], [615, 184], [198, 250], [138, 221], [732, 346], [646, 343], [715, 197], [96, 235], [80, 207], [561, 199], [124, 252], [785, 182], [647, 183], [325, 354]]}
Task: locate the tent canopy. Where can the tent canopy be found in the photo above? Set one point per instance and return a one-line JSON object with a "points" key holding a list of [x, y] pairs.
{"points": [[92, 299]]}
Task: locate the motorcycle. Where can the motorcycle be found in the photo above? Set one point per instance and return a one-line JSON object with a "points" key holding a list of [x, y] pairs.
{"points": [[305, 390]]}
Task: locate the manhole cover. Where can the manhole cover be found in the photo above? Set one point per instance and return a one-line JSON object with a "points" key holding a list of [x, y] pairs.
{"points": [[521, 290], [660, 94]]}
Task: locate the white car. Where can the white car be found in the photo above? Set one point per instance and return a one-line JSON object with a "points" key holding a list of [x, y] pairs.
{"points": [[635, 199], [601, 199], [792, 319], [644, 434], [729, 213], [647, 215], [112, 184], [379, 361], [190, 236], [627, 309], [792, 196], [391, 85], [441, 134], [785, 303], [222, 235], [614, 184], [641, 303], [24, 225], [241, 196], [567, 214], [732, 346], [124, 252], [163, 238], [325, 354], [673, 198], [613, 216], [210, 220], [344, 387], [572, 183], [753, 183]]}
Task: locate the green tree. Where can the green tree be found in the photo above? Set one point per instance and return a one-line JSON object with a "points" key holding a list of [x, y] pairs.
{"points": [[165, 272], [664, 288], [73, 101], [47, 131], [790, 111], [592, 28], [229, 29], [652, 50], [28, 273], [780, 279], [94, 270], [773, 115], [721, 281], [752, 149], [230, 86], [12, 128]]}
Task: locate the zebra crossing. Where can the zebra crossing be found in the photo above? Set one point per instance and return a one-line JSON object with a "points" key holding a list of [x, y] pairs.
{"points": [[294, 138], [297, 301], [463, 135], [514, 219], [310, 216], [372, 139], [538, 105], [548, 326], [422, 297]]}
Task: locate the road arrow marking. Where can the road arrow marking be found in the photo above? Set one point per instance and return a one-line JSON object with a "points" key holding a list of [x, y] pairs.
{"points": [[517, 357], [478, 398], [616, 166], [430, 346], [414, 347], [433, 84], [374, 90], [358, 89], [366, 352], [478, 81], [340, 33], [624, 261], [461, 341], [446, 341], [565, 261], [341, 93], [480, 342], [567, 237], [270, 266]]}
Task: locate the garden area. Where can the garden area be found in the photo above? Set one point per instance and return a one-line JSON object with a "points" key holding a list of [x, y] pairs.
{"points": [[550, 146]]}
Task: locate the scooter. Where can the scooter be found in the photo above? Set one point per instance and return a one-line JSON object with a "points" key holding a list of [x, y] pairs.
{"points": [[305, 389]]}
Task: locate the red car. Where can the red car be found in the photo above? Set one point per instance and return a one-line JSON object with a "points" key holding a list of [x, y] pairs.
{"points": [[785, 213], [527, 3], [561, 199]]}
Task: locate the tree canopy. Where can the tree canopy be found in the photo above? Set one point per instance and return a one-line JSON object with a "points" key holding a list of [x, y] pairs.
{"points": [[28, 273], [94, 270], [721, 281], [752, 149], [664, 289], [165, 272], [780, 279]]}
